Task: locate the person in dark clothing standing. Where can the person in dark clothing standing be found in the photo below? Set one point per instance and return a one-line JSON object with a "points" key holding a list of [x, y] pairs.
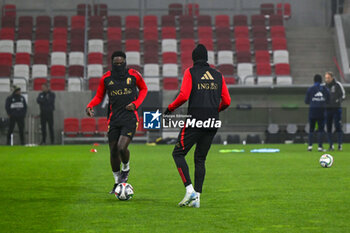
{"points": [[317, 97], [16, 108], [334, 110], [206, 90], [46, 100]]}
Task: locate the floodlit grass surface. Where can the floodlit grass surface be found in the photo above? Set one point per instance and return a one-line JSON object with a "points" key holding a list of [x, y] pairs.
{"points": [[65, 189]]}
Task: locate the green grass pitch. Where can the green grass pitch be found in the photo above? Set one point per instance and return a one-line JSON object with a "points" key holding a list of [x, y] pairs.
{"points": [[65, 189]]}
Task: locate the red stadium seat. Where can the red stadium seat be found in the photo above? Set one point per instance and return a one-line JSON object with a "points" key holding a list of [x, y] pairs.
{"points": [[241, 31], [135, 67], [58, 71], [77, 34], [279, 43], [276, 20], [230, 80], [76, 71], [101, 9], [93, 83], [150, 33], [282, 69], [258, 20], [41, 58], [223, 33], [222, 21], [242, 44], [114, 21], [151, 46], [132, 21], [243, 57], [175, 9], [168, 21], [132, 33], [38, 82], [267, 8], [259, 32], [168, 33], [8, 21], [187, 33], [284, 9], [114, 33], [192, 9], [7, 34], [169, 57], [76, 46], [42, 34], [71, 127], [102, 125], [170, 83], [205, 33], [60, 34], [204, 21], [263, 69], [6, 59], [96, 33], [96, 21], [224, 44], [22, 58], [25, 33], [240, 20], [226, 69], [81, 9], [114, 45], [57, 84], [95, 58], [132, 45], [208, 43], [187, 45], [5, 71], [150, 21], [59, 46], [186, 21], [42, 46], [9, 10], [43, 21], [260, 44], [77, 21], [25, 22], [60, 21], [277, 31], [262, 56]]}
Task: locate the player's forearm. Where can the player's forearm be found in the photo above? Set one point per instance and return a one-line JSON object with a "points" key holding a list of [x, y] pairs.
{"points": [[95, 101], [180, 100], [141, 97]]}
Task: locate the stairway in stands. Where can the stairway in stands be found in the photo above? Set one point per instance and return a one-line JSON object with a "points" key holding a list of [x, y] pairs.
{"points": [[311, 51]]}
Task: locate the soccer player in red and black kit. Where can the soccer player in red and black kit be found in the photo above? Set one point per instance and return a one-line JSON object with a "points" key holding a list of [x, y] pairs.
{"points": [[206, 90], [120, 84]]}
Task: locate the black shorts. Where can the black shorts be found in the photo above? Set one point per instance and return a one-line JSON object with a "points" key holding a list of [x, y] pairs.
{"points": [[128, 130]]}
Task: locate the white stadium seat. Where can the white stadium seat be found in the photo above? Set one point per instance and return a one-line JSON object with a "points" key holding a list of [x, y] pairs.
{"points": [[244, 70], [21, 83], [225, 57], [39, 71], [152, 84], [24, 46], [74, 84], [21, 71], [58, 58], [284, 80], [6, 46], [211, 58], [76, 58], [95, 46], [5, 85], [133, 58], [265, 80], [151, 70], [280, 56], [170, 70], [95, 71], [169, 45]]}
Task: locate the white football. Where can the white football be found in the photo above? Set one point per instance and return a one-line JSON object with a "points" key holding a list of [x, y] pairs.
{"points": [[124, 191], [326, 160]]}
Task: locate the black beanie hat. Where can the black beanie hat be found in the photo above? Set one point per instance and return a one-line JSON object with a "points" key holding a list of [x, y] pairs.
{"points": [[118, 54], [318, 78], [200, 53]]}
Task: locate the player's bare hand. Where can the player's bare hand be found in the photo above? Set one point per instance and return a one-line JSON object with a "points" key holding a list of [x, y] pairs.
{"points": [[130, 107], [90, 112]]}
